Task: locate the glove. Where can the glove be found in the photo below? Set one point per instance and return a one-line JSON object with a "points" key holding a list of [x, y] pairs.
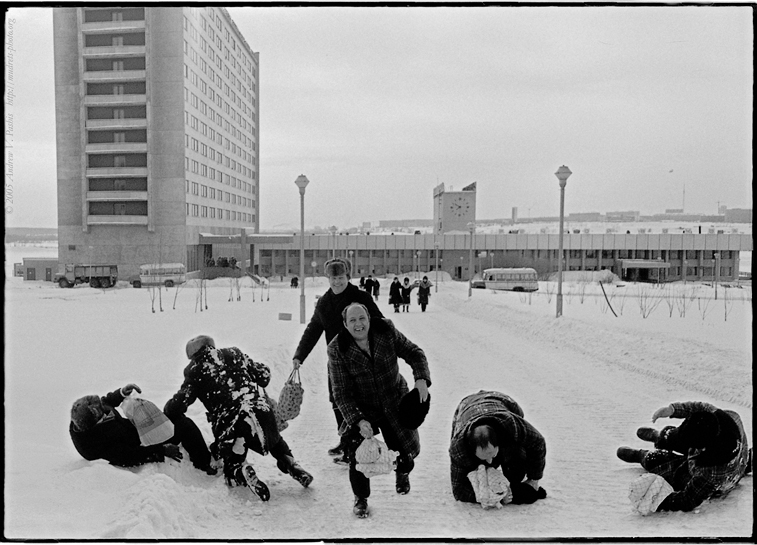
{"points": [[366, 430], [129, 388], [525, 493], [172, 451]]}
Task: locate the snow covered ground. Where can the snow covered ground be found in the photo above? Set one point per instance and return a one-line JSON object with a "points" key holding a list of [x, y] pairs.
{"points": [[586, 381]]}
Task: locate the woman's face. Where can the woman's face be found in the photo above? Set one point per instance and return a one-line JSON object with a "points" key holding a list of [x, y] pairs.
{"points": [[357, 323], [338, 283]]}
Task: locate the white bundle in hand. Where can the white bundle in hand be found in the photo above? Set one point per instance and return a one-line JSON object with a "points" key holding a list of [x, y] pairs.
{"points": [[373, 457], [648, 492], [490, 486]]}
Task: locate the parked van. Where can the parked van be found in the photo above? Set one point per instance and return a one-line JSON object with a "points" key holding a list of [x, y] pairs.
{"points": [[511, 279], [161, 274]]}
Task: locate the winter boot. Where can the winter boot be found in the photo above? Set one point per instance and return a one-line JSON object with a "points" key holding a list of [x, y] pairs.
{"points": [[403, 483], [632, 455], [257, 486], [337, 450], [648, 434], [361, 507], [300, 475]]}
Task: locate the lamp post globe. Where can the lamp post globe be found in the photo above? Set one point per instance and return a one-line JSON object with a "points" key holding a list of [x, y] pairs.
{"points": [[562, 176], [302, 182]]}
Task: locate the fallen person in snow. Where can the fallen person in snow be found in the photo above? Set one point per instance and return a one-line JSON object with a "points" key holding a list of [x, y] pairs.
{"points": [[704, 457], [226, 381], [368, 390], [489, 427], [98, 431]]}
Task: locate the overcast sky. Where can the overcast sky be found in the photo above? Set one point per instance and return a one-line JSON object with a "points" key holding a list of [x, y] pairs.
{"points": [[376, 106]]}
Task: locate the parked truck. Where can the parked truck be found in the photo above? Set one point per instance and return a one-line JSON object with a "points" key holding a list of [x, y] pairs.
{"points": [[97, 276]]}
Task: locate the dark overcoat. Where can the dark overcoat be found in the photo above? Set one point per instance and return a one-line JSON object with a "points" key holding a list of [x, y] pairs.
{"points": [[395, 293], [369, 387], [424, 291], [521, 444], [226, 380]]}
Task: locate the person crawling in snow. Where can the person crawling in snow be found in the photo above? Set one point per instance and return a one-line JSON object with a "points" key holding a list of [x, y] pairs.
{"points": [[489, 428], [704, 457], [99, 432], [226, 380]]}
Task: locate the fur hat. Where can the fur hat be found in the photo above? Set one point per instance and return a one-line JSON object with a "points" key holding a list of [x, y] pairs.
{"points": [[412, 412], [337, 267], [81, 415], [198, 342]]}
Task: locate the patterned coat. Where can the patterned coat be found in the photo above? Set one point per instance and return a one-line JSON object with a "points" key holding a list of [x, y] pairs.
{"points": [[370, 388], [424, 292], [705, 479], [521, 444], [226, 380], [328, 317]]}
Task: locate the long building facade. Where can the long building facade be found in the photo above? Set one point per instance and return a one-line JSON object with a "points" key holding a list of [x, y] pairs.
{"points": [[643, 257], [157, 133]]}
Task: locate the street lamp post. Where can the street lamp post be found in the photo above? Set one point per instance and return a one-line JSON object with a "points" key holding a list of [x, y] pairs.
{"points": [[562, 175], [472, 229], [302, 183], [333, 241], [716, 273], [436, 267], [417, 263]]}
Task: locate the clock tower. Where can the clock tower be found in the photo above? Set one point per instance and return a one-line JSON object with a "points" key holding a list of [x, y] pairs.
{"points": [[453, 210]]}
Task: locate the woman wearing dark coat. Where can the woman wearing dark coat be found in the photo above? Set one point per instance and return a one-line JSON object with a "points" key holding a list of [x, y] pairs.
{"points": [[226, 382], [98, 432], [395, 294], [513, 444], [368, 387], [424, 292], [405, 290]]}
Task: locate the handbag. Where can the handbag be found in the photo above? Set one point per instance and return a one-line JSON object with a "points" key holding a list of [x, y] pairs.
{"points": [[290, 397], [153, 426], [373, 458]]}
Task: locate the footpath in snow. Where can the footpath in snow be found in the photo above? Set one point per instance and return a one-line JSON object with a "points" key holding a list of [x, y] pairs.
{"points": [[586, 381]]}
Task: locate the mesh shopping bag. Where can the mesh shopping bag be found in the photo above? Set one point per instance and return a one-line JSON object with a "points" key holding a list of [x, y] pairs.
{"points": [[490, 486], [648, 492], [373, 458], [290, 398], [153, 426]]}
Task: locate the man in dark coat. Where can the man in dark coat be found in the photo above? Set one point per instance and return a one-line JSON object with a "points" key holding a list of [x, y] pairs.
{"points": [[98, 431], [704, 457], [368, 388], [327, 319], [488, 428], [226, 381], [395, 294]]}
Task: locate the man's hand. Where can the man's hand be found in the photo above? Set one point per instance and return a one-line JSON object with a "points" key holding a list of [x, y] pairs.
{"points": [[366, 430], [420, 384], [129, 388], [172, 451], [296, 364], [663, 412]]}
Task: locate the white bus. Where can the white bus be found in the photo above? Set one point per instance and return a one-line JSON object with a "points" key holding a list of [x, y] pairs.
{"points": [[512, 279], [161, 274]]}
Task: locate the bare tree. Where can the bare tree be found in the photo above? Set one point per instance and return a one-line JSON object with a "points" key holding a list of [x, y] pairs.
{"points": [[549, 289], [727, 303], [622, 301], [669, 300], [703, 303], [648, 299], [583, 283]]}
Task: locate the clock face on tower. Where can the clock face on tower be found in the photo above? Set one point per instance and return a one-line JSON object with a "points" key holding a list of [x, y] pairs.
{"points": [[459, 207]]}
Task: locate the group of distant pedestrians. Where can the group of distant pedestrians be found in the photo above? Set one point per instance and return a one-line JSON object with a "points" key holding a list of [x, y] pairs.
{"points": [[496, 456]]}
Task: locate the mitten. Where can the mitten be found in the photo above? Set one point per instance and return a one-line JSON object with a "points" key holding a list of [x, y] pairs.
{"points": [[525, 493]]}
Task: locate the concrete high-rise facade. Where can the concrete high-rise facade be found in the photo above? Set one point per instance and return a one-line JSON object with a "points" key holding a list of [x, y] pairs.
{"points": [[157, 134]]}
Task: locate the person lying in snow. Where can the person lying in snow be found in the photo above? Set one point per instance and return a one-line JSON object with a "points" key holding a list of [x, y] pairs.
{"points": [[226, 381], [488, 428], [704, 457], [98, 431]]}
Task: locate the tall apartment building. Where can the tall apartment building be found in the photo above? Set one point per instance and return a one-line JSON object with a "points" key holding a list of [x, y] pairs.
{"points": [[157, 133]]}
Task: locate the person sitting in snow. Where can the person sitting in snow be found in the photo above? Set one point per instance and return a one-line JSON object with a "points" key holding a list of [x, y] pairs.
{"points": [[226, 381], [98, 431], [488, 428], [704, 457]]}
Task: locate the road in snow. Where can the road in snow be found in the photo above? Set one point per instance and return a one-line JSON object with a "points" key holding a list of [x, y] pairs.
{"points": [[586, 381]]}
